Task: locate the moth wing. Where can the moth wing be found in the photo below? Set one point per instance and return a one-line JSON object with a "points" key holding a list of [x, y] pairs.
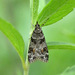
{"points": [[38, 48], [31, 52], [44, 56]]}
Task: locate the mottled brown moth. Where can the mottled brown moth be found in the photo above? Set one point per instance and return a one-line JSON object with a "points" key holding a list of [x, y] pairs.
{"points": [[37, 48]]}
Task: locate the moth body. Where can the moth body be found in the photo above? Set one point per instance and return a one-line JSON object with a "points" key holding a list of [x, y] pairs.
{"points": [[38, 48]]}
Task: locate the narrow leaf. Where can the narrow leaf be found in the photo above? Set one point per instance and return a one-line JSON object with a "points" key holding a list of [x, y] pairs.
{"points": [[55, 10], [34, 7], [60, 45], [69, 71], [42, 4], [14, 36]]}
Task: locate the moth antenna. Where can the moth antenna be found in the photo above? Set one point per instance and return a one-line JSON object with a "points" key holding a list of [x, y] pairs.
{"points": [[45, 22], [33, 25]]}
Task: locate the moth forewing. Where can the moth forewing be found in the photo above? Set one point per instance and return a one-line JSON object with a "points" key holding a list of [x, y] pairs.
{"points": [[38, 48]]}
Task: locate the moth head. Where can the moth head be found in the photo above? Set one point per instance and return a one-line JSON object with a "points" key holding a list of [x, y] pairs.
{"points": [[37, 28]]}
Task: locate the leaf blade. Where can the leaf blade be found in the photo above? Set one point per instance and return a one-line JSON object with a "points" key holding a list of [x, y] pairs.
{"points": [[69, 71], [60, 45], [51, 13], [35, 6], [14, 36], [42, 4]]}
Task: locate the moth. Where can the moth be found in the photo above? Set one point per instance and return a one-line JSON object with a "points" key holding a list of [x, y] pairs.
{"points": [[38, 48]]}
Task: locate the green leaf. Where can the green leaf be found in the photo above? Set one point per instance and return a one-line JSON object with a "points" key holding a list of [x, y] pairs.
{"points": [[69, 71], [34, 7], [14, 36], [55, 10], [60, 45], [42, 4]]}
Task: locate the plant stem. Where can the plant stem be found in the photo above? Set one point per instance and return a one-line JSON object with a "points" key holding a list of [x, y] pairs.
{"points": [[26, 68], [26, 72]]}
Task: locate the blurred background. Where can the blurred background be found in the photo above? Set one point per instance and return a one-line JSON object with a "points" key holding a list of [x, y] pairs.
{"points": [[17, 12]]}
